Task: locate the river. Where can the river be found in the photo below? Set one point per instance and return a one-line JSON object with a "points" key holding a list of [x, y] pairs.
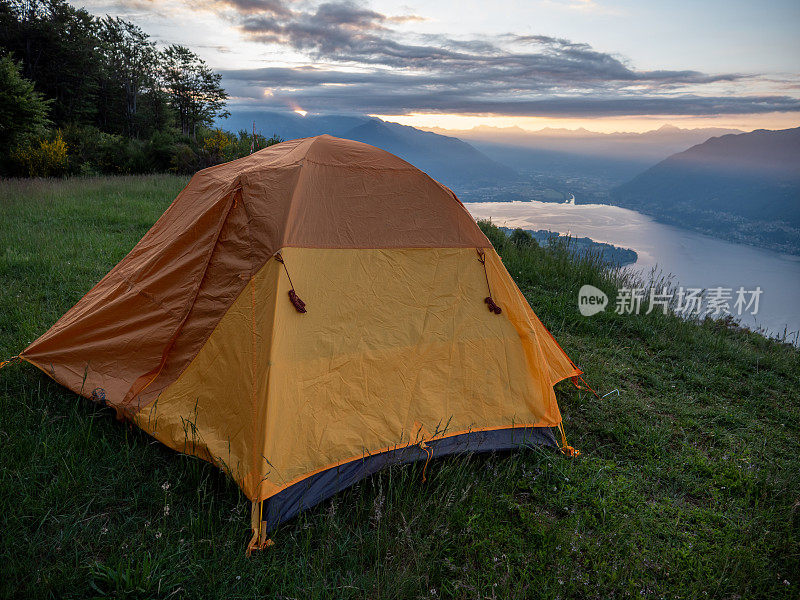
{"points": [[693, 259]]}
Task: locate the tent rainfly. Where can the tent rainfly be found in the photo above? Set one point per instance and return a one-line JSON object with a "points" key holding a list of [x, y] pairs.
{"points": [[306, 315]]}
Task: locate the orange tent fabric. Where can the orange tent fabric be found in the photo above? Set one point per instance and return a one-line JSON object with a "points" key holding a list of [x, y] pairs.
{"points": [[193, 338]]}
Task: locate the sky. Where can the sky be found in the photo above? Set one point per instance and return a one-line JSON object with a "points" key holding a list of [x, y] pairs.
{"points": [[599, 64]]}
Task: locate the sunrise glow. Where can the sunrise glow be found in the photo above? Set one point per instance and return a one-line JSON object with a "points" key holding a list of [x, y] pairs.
{"points": [[636, 124]]}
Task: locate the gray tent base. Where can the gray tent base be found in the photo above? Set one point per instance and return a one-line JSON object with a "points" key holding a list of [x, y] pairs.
{"points": [[311, 491]]}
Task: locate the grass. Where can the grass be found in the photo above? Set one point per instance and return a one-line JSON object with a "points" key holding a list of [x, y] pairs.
{"points": [[688, 485]]}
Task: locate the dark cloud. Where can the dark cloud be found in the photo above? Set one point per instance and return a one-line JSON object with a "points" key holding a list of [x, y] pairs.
{"points": [[367, 65], [391, 93], [278, 8]]}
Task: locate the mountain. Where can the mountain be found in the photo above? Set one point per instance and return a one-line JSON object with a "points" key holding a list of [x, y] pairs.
{"points": [[447, 159], [653, 146], [587, 163], [743, 187]]}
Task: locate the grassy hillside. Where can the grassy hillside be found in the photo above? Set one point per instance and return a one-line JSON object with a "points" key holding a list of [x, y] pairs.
{"points": [[688, 485]]}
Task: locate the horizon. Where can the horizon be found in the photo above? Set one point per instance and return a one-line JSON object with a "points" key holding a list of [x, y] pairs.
{"points": [[518, 129], [606, 66]]}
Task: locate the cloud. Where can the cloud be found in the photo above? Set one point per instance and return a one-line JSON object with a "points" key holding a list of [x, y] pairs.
{"points": [[362, 62], [278, 8], [343, 32], [321, 90]]}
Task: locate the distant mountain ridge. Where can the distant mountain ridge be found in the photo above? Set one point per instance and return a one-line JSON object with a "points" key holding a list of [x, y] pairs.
{"points": [[445, 158], [600, 160], [651, 146], [743, 187]]}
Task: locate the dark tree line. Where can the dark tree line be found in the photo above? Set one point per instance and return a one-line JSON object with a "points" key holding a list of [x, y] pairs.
{"points": [[101, 91]]}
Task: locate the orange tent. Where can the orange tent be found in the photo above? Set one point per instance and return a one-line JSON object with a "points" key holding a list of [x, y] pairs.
{"points": [[306, 315]]}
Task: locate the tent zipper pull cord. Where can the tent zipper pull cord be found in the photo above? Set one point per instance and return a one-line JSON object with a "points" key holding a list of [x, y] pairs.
{"points": [[566, 448], [488, 300], [298, 304], [13, 359], [585, 386]]}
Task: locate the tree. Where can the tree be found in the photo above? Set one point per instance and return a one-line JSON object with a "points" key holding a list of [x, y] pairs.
{"points": [[131, 62], [23, 110], [58, 47], [193, 89]]}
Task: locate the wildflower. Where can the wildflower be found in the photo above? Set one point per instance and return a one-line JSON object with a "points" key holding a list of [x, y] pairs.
{"points": [[158, 535], [166, 510], [165, 486]]}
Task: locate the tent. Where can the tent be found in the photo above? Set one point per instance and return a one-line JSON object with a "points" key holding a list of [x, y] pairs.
{"points": [[306, 315]]}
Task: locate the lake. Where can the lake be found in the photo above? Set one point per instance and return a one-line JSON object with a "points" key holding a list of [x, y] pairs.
{"points": [[693, 259]]}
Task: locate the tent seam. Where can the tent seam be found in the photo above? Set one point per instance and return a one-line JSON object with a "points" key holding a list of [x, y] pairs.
{"points": [[262, 429], [190, 305]]}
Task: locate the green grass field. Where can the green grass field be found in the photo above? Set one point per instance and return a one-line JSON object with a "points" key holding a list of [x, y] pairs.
{"points": [[688, 485]]}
